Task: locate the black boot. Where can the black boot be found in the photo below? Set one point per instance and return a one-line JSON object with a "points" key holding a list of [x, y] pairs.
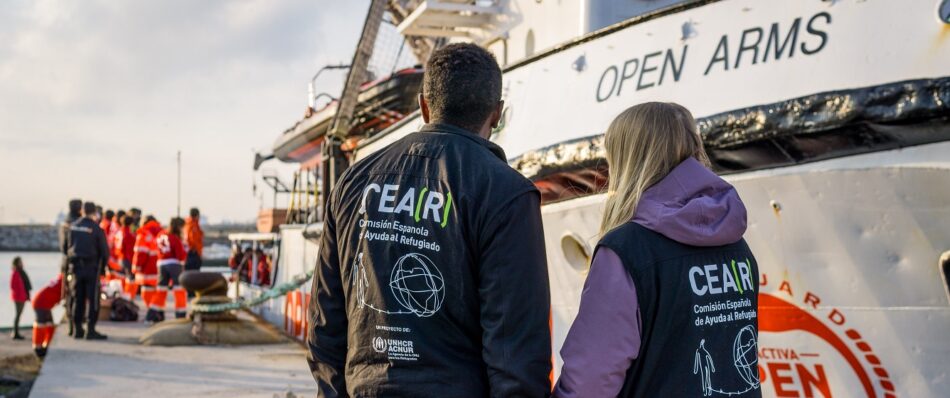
{"points": [[94, 335], [78, 333]]}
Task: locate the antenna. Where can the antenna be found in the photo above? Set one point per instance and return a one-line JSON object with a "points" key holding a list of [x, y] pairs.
{"points": [[178, 211]]}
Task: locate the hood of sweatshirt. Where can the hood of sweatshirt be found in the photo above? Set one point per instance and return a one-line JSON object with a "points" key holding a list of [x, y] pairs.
{"points": [[693, 206], [152, 227]]}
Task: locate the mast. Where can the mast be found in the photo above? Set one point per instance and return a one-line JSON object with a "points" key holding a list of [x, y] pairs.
{"points": [[334, 160]]}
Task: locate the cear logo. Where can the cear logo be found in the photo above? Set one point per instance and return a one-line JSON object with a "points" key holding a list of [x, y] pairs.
{"points": [[717, 279], [796, 370], [424, 206], [379, 344]]}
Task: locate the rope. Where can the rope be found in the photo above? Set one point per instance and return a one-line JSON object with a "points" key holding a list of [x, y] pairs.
{"points": [[275, 292]]}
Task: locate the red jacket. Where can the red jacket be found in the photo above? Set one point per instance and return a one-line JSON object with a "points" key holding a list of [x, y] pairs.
{"points": [[170, 249], [124, 244], [106, 225], [18, 288], [49, 295], [145, 257], [263, 271]]}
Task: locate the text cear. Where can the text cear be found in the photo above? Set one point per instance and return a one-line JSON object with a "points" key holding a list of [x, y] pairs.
{"points": [[717, 279], [419, 204]]}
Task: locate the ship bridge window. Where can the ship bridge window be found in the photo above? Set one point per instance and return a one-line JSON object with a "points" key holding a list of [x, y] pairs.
{"points": [[604, 13]]}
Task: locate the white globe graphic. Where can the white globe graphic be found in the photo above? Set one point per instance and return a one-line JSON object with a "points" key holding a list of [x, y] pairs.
{"points": [[745, 355], [417, 285]]}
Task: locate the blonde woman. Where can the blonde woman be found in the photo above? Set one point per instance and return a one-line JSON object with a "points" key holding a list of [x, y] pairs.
{"points": [[669, 307]]}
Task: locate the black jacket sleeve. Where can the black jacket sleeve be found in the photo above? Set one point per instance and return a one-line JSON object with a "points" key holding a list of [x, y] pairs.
{"points": [[327, 315], [516, 300], [64, 238]]}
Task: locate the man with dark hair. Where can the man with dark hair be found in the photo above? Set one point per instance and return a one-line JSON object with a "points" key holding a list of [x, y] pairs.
{"points": [[88, 253], [424, 285]]}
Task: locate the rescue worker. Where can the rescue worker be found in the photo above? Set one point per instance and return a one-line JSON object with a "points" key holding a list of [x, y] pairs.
{"points": [[124, 249], [88, 253], [263, 268], [106, 222], [432, 279], [136, 219], [194, 240], [171, 257], [117, 222], [114, 269], [43, 302], [671, 244], [145, 259], [75, 206]]}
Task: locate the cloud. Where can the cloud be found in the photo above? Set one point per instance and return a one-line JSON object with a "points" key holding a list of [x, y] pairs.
{"points": [[97, 96]]}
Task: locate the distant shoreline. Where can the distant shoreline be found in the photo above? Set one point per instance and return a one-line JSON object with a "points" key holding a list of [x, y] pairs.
{"points": [[14, 250]]}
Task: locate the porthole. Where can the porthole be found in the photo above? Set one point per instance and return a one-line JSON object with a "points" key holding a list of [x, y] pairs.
{"points": [[576, 252]]}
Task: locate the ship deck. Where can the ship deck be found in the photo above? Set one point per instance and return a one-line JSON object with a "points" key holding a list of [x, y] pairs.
{"points": [[120, 366]]}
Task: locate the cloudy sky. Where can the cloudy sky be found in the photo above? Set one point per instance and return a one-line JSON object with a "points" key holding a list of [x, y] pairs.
{"points": [[96, 97]]}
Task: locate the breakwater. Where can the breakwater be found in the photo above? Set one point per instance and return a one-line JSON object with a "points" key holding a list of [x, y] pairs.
{"points": [[32, 238]]}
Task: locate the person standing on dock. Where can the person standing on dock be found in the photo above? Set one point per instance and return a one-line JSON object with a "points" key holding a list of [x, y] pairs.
{"points": [[194, 240], [88, 253], [432, 278], [136, 214], [20, 293], [145, 259], [171, 256], [123, 246], [75, 206]]}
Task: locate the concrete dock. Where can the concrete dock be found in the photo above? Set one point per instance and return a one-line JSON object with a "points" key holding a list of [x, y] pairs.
{"points": [[121, 367]]}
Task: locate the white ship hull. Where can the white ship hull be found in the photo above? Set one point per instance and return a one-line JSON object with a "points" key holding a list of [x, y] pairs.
{"points": [[853, 301]]}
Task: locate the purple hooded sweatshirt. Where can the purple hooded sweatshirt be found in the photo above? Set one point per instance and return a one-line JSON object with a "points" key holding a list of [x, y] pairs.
{"points": [[691, 205]]}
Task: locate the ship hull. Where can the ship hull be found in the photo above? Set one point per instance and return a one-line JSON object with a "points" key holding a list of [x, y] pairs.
{"points": [[853, 302]]}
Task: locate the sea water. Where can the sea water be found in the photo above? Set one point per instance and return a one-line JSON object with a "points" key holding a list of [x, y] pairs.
{"points": [[41, 267]]}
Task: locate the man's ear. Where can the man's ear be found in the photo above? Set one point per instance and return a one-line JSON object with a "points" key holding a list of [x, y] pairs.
{"points": [[424, 107], [496, 115]]}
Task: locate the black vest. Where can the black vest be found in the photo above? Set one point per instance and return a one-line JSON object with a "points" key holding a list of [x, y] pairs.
{"points": [[698, 309]]}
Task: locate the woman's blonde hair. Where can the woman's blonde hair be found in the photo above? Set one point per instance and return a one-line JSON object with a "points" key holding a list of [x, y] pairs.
{"points": [[643, 144]]}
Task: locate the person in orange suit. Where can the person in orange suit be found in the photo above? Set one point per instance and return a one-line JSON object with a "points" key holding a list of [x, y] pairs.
{"points": [[43, 302], [194, 240], [145, 258], [124, 251], [171, 257]]}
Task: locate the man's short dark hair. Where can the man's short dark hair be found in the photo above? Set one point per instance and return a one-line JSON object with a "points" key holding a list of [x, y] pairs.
{"points": [[109, 214], [462, 85], [194, 213], [89, 208]]}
